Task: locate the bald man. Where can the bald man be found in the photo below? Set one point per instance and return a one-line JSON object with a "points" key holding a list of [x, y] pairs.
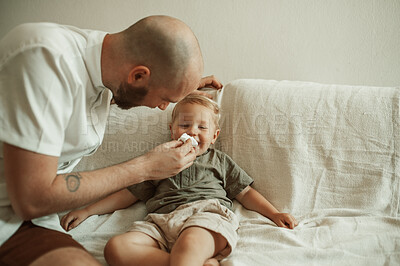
{"points": [[56, 86]]}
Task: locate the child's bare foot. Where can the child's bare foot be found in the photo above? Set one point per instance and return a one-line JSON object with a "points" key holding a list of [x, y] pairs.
{"points": [[211, 262]]}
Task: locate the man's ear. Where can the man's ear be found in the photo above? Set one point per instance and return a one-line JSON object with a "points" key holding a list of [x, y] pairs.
{"points": [[139, 76], [216, 134]]}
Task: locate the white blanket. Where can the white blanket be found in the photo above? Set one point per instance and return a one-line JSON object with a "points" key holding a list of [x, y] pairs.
{"points": [[328, 237], [329, 154]]}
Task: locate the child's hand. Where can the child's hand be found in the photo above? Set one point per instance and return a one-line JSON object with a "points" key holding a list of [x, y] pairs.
{"points": [[73, 219], [284, 220]]}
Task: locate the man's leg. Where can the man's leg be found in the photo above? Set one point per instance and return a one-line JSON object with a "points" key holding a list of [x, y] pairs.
{"points": [[66, 256], [195, 246], [36, 245], [135, 248]]}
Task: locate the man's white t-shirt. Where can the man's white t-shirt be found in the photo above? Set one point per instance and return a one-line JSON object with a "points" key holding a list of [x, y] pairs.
{"points": [[52, 101]]}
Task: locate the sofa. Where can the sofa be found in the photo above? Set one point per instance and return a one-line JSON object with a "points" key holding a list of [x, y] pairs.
{"points": [[328, 154]]}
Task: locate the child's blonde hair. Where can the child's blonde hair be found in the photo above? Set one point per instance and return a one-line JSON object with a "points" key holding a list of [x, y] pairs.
{"points": [[201, 100]]}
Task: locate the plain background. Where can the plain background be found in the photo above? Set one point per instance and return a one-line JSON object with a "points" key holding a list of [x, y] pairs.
{"points": [[355, 42]]}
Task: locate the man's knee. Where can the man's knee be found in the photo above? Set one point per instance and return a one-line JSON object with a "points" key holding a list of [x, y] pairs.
{"points": [[38, 245], [66, 256]]}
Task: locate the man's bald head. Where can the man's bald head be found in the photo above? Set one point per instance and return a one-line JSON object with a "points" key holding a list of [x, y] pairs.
{"points": [[165, 45]]}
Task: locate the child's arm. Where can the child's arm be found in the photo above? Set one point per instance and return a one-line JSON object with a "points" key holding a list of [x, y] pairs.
{"points": [[254, 201], [116, 201]]}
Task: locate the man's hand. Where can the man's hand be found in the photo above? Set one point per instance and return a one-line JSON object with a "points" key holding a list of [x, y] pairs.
{"points": [[168, 159], [210, 82]]}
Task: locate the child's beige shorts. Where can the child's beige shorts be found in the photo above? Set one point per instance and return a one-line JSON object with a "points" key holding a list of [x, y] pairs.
{"points": [[208, 214]]}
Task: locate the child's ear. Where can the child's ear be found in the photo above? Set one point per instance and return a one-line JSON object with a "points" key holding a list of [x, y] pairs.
{"points": [[216, 134]]}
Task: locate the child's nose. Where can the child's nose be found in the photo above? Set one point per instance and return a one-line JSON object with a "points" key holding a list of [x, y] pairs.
{"points": [[192, 131]]}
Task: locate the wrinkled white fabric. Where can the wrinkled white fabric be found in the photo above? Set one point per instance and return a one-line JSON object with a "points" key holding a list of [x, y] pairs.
{"points": [[311, 146], [329, 154]]}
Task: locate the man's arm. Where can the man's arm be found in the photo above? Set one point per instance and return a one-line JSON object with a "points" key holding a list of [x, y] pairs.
{"points": [[36, 190]]}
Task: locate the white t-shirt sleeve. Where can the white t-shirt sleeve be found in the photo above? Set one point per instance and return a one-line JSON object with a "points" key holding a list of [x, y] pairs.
{"points": [[35, 106]]}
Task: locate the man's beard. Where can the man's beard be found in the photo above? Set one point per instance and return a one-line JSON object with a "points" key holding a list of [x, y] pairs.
{"points": [[129, 96]]}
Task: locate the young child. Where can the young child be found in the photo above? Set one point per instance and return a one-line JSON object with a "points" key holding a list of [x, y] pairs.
{"points": [[190, 221]]}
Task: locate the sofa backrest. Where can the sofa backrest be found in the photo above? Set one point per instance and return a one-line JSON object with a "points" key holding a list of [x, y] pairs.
{"points": [[308, 146], [312, 146]]}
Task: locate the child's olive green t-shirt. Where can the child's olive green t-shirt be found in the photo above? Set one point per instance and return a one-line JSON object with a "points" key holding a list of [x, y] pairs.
{"points": [[213, 175]]}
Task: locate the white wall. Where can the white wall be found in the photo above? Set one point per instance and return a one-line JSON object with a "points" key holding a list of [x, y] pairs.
{"points": [[330, 41]]}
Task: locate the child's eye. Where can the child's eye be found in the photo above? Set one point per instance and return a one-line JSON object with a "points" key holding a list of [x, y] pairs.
{"points": [[203, 127], [183, 126]]}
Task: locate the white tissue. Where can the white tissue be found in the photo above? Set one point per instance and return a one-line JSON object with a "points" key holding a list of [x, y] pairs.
{"points": [[185, 137]]}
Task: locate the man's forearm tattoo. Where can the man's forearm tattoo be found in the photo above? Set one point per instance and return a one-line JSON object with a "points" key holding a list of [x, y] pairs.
{"points": [[73, 181]]}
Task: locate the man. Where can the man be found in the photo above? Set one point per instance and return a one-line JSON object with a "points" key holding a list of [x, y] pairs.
{"points": [[56, 86]]}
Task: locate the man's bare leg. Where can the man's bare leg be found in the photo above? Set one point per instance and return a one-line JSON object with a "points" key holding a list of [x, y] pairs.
{"points": [[134, 248], [195, 246], [66, 256]]}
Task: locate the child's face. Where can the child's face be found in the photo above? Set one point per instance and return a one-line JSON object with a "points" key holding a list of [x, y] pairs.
{"points": [[197, 121]]}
